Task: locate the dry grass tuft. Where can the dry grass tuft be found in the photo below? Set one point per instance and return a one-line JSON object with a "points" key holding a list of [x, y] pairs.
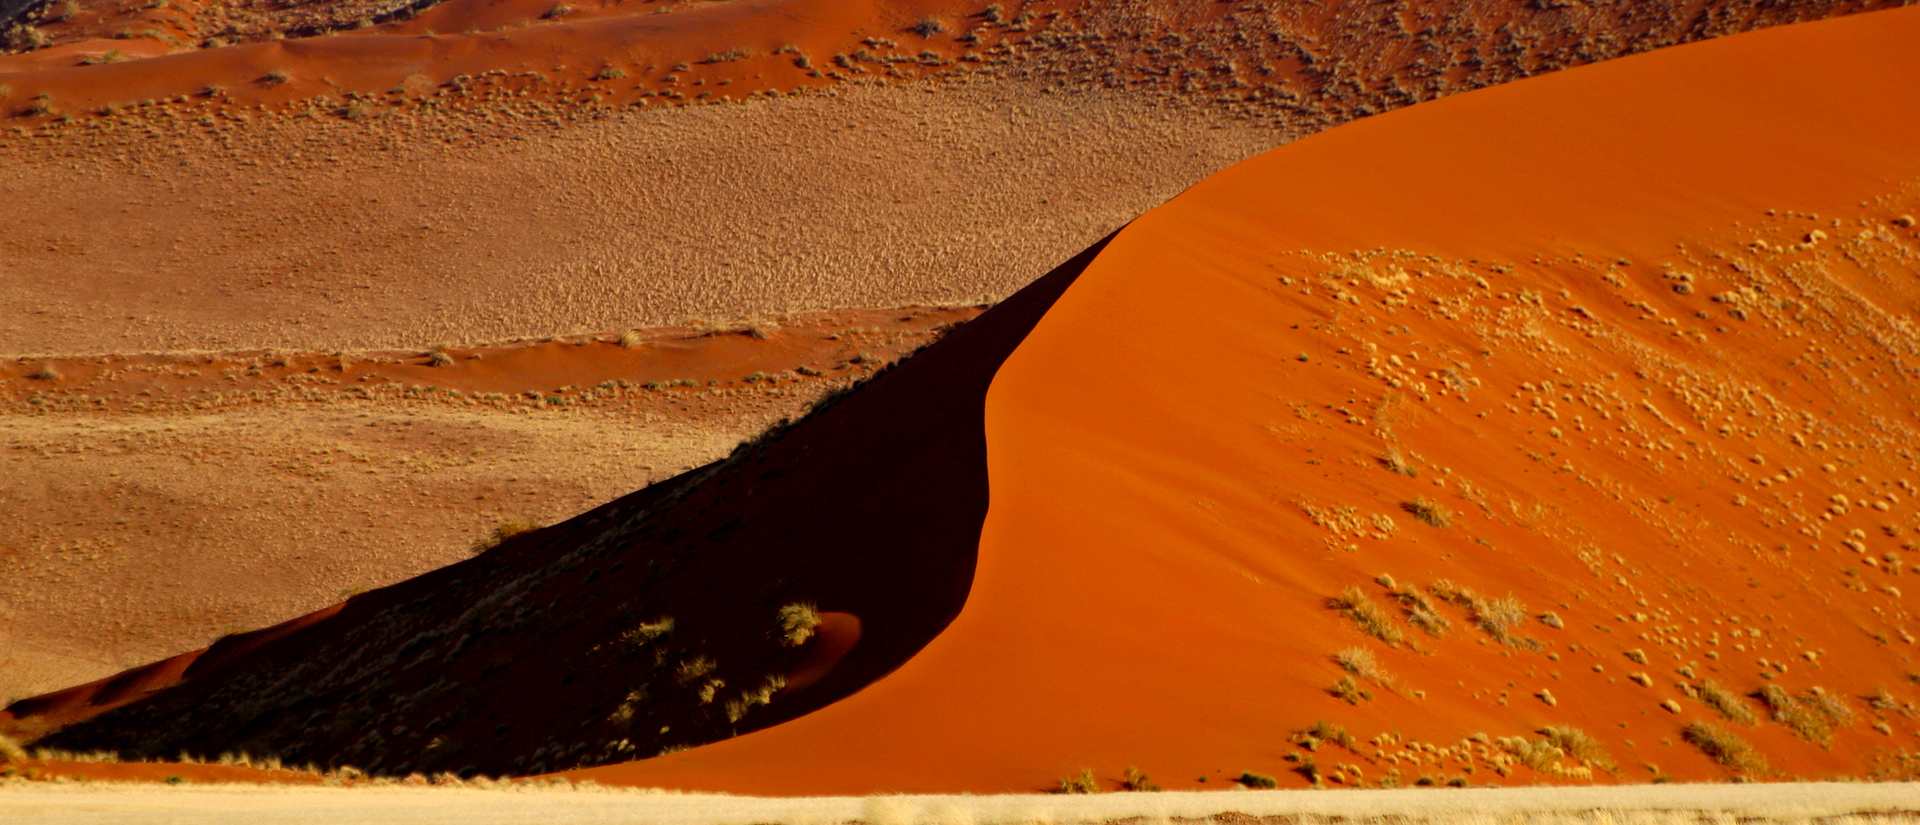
{"points": [[1723, 747], [929, 26], [1429, 511], [10, 751], [1134, 780], [630, 339], [690, 670], [46, 372], [1724, 702], [503, 531], [646, 634], [1579, 745], [1259, 781], [1497, 617], [1372, 620], [797, 623], [1324, 731], [1421, 611], [1396, 461], [1082, 782], [1359, 661], [1804, 718], [1349, 690], [762, 695]]}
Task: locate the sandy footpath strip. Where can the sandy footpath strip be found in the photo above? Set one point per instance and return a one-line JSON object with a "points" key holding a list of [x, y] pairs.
{"points": [[131, 803]]}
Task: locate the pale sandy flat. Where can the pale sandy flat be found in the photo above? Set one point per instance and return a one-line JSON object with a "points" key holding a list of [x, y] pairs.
{"points": [[1650, 804]]}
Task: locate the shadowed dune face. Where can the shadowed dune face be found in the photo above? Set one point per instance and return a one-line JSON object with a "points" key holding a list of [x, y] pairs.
{"points": [[1560, 371], [653, 623], [344, 472]]}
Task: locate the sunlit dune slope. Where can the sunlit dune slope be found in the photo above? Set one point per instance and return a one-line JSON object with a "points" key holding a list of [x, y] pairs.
{"points": [[653, 623], [1552, 369]]}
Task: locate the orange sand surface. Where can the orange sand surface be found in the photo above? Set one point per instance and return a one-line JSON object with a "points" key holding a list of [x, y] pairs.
{"points": [[1640, 328]]}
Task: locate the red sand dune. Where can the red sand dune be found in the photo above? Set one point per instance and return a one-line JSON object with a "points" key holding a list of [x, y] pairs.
{"points": [[644, 41], [1150, 590], [1641, 327]]}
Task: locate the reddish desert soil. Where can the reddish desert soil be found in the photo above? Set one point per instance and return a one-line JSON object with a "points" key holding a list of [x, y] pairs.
{"points": [[294, 478], [1585, 310], [492, 184]]}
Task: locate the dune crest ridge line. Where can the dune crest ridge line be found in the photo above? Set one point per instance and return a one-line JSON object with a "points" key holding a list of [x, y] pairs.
{"points": [[1237, 450]]}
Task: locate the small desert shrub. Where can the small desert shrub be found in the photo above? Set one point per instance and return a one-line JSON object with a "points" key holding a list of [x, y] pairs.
{"points": [[1372, 620], [557, 12], [1325, 731], [109, 56], [1349, 690], [1257, 780], [1082, 782], [277, 77], [1552, 619], [41, 106], [1359, 661], [611, 73], [214, 90], [797, 623], [1579, 745], [690, 670], [929, 26], [439, 357], [46, 372], [1724, 701], [1723, 747], [1429, 511], [630, 339], [1134, 780], [503, 531], [10, 751], [732, 55]]}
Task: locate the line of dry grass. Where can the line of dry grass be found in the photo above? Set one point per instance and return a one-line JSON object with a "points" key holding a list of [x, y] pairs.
{"points": [[1723, 747], [1371, 618], [1360, 662], [1724, 702]]}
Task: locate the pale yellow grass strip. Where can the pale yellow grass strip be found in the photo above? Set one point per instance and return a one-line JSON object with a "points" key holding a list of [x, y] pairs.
{"points": [[1789, 804]]}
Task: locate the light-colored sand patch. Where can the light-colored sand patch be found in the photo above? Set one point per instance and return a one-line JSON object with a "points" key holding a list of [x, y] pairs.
{"points": [[134, 538], [100, 804], [874, 196]]}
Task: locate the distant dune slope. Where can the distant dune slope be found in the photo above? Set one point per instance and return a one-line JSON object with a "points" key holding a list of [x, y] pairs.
{"points": [[1665, 447]]}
